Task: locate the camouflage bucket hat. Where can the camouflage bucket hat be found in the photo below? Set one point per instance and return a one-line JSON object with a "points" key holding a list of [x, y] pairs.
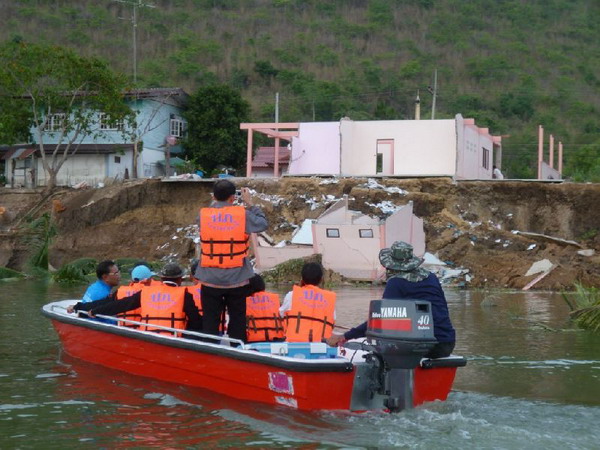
{"points": [[399, 257], [172, 271]]}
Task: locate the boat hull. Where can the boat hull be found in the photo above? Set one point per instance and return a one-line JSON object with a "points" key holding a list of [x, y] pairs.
{"points": [[229, 376], [322, 384]]}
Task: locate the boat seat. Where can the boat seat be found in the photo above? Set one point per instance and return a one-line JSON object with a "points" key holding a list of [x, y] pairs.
{"points": [[300, 350]]}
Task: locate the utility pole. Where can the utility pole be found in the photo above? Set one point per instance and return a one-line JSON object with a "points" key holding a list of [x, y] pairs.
{"points": [[135, 4], [434, 94], [417, 107], [276, 156]]}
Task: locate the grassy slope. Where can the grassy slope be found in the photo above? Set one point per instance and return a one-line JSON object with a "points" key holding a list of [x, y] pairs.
{"points": [[511, 64]]}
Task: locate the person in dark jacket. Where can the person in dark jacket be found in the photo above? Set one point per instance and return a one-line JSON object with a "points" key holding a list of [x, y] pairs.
{"points": [[407, 280], [171, 275]]}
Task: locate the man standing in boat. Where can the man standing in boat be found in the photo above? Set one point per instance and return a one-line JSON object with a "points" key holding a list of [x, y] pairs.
{"points": [[407, 280], [224, 269]]}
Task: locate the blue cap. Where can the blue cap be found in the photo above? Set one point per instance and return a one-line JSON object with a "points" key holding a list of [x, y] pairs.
{"points": [[141, 273]]}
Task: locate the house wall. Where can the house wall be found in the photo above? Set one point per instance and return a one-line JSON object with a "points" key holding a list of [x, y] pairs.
{"points": [[269, 257], [403, 225], [471, 143], [267, 172], [549, 173], [350, 255], [421, 147], [316, 149], [89, 168]]}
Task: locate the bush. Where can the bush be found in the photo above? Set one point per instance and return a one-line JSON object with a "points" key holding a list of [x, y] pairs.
{"points": [[8, 274], [585, 308]]}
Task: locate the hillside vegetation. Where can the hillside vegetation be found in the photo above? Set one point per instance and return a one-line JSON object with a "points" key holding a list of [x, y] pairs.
{"points": [[510, 64]]}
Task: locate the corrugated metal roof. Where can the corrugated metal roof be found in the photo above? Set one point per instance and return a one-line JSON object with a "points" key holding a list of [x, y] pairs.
{"points": [[265, 157]]}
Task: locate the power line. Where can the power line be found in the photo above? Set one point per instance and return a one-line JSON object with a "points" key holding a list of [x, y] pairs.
{"points": [[135, 5]]}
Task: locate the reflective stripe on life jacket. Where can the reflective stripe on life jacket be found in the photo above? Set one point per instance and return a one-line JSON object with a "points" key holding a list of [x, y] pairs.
{"points": [[311, 317], [163, 305], [223, 238], [263, 322]]}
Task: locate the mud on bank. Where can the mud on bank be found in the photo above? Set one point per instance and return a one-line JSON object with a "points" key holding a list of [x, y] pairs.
{"points": [[469, 223]]}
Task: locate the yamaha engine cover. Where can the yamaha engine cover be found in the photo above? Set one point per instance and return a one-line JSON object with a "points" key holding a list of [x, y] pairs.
{"points": [[401, 331]]}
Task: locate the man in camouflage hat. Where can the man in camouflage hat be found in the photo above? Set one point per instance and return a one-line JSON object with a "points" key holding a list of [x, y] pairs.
{"points": [[400, 262], [407, 280]]}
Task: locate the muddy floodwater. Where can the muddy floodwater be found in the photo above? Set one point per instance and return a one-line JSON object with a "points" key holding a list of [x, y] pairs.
{"points": [[532, 381]]}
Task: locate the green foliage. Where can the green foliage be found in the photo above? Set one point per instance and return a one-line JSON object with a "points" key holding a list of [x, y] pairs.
{"points": [[585, 309], [10, 274], [289, 271], [38, 235], [46, 79], [583, 163], [70, 274], [214, 137], [509, 64], [265, 69]]}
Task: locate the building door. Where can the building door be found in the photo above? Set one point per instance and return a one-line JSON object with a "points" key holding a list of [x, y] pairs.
{"points": [[384, 164]]}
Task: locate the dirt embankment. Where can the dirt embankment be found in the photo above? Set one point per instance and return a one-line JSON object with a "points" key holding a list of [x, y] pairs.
{"points": [[468, 224]]}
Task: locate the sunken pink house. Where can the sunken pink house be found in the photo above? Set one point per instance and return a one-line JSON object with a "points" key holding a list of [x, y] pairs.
{"points": [[263, 162], [450, 147], [349, 241]]}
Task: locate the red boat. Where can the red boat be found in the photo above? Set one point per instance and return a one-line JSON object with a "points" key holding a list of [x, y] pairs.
{"points": [[385, 372]]}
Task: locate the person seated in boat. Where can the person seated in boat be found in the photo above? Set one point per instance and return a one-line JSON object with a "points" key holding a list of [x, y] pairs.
{"points": [[263, 322], [141, 276], [308, 310], [109, 276], [407, 280], [168, 304]]}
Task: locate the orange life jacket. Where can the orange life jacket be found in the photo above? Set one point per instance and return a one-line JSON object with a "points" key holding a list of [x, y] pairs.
{"points": [[223, 238], [128, 291], [196, 291], [263, 322], [163, 305], [311, 317]]}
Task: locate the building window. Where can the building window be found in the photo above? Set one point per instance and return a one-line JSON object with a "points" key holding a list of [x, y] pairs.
{"points": [[177, 127], [108, 125], [365, 233], [486, 158], [55, 122], [117, 160], [333, 232]]}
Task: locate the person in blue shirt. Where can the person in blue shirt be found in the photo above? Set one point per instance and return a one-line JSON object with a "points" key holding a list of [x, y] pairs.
{"points": [[407, 280], [109, 276]]}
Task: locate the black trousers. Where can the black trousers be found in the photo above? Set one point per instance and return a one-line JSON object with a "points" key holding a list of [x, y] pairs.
{"points": [[215, 301], [440, 350]]}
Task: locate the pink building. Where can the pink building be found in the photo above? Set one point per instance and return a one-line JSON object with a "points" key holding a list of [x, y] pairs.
{"points": [[349, 241], [449, 147]]}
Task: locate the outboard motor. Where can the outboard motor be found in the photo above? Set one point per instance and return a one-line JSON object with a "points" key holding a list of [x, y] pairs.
{"points": [[401, 333]]}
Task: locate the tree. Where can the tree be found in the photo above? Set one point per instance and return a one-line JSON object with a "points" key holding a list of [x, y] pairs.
{"points": [[63, 93], [214, 114]]}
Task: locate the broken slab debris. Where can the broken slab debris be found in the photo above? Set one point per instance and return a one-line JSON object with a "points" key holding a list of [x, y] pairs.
{"points": [[549, 238]]}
